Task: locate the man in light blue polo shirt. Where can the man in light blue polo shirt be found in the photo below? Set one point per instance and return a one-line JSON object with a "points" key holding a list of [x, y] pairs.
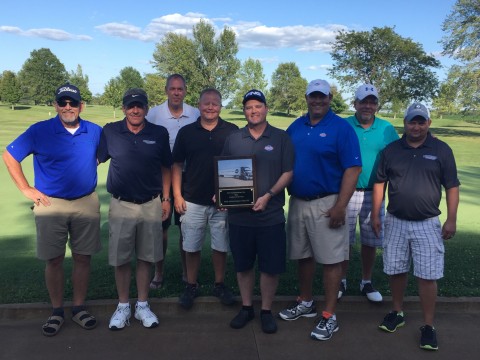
{"points": [[65, 205], [373, 135]]}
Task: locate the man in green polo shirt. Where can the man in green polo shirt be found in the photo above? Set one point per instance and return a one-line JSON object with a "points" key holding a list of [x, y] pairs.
{"points": [[373, 135]]}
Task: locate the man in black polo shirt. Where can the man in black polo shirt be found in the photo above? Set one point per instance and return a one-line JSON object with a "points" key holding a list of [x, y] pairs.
{"points": [[196, 145], [140, 161], [415, 168]]}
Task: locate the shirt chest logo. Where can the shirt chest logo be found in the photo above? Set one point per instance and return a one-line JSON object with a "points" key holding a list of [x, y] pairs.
{"points": [[149, 142], [430, 157]]}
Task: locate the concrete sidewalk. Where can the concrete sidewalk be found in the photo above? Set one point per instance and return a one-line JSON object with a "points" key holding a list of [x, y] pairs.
{"points": [[204, 333]]}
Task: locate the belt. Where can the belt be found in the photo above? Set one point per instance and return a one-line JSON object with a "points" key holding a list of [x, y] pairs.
{"points": [[71, 199], [135, 201], [315, 197], [363, 189]]}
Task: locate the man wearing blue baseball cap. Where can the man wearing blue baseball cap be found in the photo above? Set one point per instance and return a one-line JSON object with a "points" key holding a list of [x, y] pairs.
{"points": [[415, 168]]}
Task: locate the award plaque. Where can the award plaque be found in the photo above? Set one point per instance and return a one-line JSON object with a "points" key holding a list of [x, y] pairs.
{"points": [[235, 183]]}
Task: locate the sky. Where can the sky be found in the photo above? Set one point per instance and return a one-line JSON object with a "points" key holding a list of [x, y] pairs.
{"points": [[107, 36]]}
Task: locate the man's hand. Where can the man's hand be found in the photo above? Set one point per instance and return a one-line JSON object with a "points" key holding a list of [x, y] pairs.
{"points": [[337, 216]]}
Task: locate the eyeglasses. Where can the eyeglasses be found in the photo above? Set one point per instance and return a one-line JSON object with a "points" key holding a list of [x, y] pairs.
{"points": [[72, 103]]}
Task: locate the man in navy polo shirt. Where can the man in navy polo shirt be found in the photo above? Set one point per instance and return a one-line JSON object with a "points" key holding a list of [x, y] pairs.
{"points": [[327, 165], [139, 171], [416, 167], [259, 231], [65, 204]]}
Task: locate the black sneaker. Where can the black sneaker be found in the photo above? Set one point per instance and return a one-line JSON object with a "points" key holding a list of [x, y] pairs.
{"points": [[224, 294], [428, 340], [190, 293], [242, 318], [371, 293], [392, 321], [341, 290], [269, 326]]}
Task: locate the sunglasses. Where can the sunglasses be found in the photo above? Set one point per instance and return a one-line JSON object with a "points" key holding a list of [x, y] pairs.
{"points": [[72, 103]]}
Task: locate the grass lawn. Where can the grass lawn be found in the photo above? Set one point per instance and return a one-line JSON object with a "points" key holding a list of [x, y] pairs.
{"points": [[22, 281]]}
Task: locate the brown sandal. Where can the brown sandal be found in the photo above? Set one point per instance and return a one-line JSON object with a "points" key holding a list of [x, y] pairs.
{"points": [[85, 320], [53, 325]]}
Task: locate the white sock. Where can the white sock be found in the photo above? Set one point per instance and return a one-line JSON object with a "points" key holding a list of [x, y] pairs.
{"points": [[366, 282], [123, 305], [142, 303]]}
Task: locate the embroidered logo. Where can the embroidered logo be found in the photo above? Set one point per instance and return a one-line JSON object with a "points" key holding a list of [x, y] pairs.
{"points": [[430, 157], [149, 142], [322, 135], [268, 148]]}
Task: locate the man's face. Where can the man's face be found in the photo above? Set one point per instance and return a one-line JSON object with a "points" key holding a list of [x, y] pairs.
{"points": [[255, 112], [318, 104], [416, 129], [210, 106], [68, 110], [366, 109], [176, 92], [135, 113]]}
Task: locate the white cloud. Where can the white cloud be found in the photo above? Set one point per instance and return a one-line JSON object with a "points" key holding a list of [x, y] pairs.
{"points": [[319, 67], [45, 33], [253, 35]]}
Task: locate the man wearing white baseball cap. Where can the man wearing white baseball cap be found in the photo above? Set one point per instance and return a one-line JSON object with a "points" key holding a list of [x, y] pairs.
{"points": [[327, 165], [373, 135]]}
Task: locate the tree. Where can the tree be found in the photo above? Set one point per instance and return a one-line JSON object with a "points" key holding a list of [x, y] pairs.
{"points": [[81, 81], [131, 78], [462, 42], [446, 101], [10, 88], [338, 104], [155, 89], [41, 74], [113, 94], [288, 88], [204, 61], [398, 67], [250, 76]]}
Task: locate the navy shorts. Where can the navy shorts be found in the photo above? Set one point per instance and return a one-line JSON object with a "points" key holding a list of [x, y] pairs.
{"points": [[267, 242]]}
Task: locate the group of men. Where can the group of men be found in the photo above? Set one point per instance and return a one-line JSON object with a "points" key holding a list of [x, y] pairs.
{"points": [[336, 171]]}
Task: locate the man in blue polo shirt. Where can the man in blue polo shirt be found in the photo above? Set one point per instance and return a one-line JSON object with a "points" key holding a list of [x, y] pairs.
{"points": [[373, 135], [65, 204], [139, 171], [327, 165]]}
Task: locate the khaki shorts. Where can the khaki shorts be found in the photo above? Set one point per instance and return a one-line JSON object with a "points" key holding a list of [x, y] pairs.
{"points": [[309, 235], [135, 229], [77, 221]]}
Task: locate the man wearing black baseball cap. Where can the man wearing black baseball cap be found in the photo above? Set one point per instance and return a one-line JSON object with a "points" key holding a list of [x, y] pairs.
{"points": [[140, 160], [65, 205]]}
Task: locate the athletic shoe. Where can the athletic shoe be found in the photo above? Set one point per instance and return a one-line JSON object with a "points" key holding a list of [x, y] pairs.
{"points": [[120, 318], [190, 293], [325, 329], [392, 321], [341, 290], [298, 310], [428, 340], [242, 318], [269, 326], [224, 294], [146, 316], [371, 294]]}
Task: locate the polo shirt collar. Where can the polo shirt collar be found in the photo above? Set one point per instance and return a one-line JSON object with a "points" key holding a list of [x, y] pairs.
{"points": [[266, 133], [220, 123], [326, 119], [59, 128], [427, 143], [357, 123]]}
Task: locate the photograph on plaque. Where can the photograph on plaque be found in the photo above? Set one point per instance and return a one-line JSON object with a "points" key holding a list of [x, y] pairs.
{"points": [[235, 184]]}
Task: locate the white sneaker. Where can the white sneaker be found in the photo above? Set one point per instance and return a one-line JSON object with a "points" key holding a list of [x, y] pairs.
{"points": [[120, 318], [369, 291], [146, 316]]}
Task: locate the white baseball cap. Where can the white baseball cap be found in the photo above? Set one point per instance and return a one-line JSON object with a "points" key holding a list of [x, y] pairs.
{"points": [[318, 85], [366, 90]]}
